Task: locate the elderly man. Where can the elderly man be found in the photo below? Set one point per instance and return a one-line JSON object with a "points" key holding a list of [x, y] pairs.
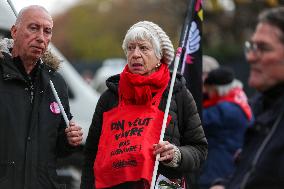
{"points": [[261, 162], [32, 131]]}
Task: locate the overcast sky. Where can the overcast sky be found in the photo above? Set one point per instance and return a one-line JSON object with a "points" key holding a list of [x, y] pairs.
{"points": [[53, 6]]}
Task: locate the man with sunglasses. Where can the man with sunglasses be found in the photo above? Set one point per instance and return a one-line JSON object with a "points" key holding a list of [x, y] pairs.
{"points": [[261, 163]]}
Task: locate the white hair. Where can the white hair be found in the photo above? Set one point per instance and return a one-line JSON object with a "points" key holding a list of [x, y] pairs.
{"points": [[150, 31], [223, 90], [139, 33]]}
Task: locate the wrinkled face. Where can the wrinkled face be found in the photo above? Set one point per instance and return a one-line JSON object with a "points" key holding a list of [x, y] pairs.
{"points": [[141, 58], [32, 35], [267, 59]]}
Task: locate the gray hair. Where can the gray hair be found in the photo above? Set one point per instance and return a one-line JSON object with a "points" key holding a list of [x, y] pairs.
{"points": [[274, 17], [150, 31], [140, 33]]}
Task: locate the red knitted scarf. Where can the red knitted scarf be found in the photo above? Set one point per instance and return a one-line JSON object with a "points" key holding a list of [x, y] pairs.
{"points": [[139, 89]]}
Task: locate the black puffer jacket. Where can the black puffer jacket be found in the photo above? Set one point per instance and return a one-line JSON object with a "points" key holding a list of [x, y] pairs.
{"points": [[187, 132], [31, 136]]}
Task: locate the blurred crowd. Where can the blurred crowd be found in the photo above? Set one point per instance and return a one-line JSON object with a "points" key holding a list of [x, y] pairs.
{"points": [[245, 147]]}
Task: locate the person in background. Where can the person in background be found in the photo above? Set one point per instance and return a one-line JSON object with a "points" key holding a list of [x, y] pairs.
{"points": [[208, 64], [226, 116], [123, 138], [32, 131], [261, 162]]}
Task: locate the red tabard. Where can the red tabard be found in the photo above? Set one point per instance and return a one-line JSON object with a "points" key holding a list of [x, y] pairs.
{"points": [[125, 151]]}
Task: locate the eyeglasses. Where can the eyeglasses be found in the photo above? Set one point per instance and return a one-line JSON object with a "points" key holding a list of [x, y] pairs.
{"points": [[258, 48]]}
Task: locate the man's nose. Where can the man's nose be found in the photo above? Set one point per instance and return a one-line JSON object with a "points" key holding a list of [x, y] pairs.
{"points": [[40, 36], [251, 56]]}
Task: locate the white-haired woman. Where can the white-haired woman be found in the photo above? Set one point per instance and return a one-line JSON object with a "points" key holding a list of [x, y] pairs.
{"points": [[123, 139]]}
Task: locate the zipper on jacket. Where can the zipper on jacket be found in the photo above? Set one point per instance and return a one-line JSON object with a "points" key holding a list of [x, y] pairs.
{"points": [[31, 88], [30, 83]]}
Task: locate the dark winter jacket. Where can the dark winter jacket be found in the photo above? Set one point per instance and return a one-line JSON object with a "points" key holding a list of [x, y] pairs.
{"points": [[31, 136], [185, 131], [224, 124], [261, 163]]}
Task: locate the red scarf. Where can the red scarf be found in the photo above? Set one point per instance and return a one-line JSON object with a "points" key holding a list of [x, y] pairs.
{"points": [[139, 89], [236, 96]]}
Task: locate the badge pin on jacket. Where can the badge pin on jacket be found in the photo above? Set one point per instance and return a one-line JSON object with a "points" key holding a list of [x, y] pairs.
{"points": [[54, 108]]}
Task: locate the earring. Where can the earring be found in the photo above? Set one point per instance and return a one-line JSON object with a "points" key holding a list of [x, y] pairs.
{"points": [[158, 65]]}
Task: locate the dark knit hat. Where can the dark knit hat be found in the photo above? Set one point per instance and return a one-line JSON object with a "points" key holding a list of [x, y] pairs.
{"points": [[220, 76]]}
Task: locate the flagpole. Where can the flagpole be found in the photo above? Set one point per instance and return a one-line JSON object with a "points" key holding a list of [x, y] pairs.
{"points": [[59, 103], [50, 82], [12, 7], [178, 59], [176, 63]]}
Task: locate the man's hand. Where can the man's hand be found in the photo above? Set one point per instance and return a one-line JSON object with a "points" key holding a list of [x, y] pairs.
{"points": [[74, 134]]}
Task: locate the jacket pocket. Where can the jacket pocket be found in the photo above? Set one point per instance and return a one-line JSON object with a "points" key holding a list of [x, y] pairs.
{"points": [[7, 174]]}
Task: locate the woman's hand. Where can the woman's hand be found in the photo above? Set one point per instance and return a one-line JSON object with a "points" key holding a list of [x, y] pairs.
{"points": [[166, 151]]}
